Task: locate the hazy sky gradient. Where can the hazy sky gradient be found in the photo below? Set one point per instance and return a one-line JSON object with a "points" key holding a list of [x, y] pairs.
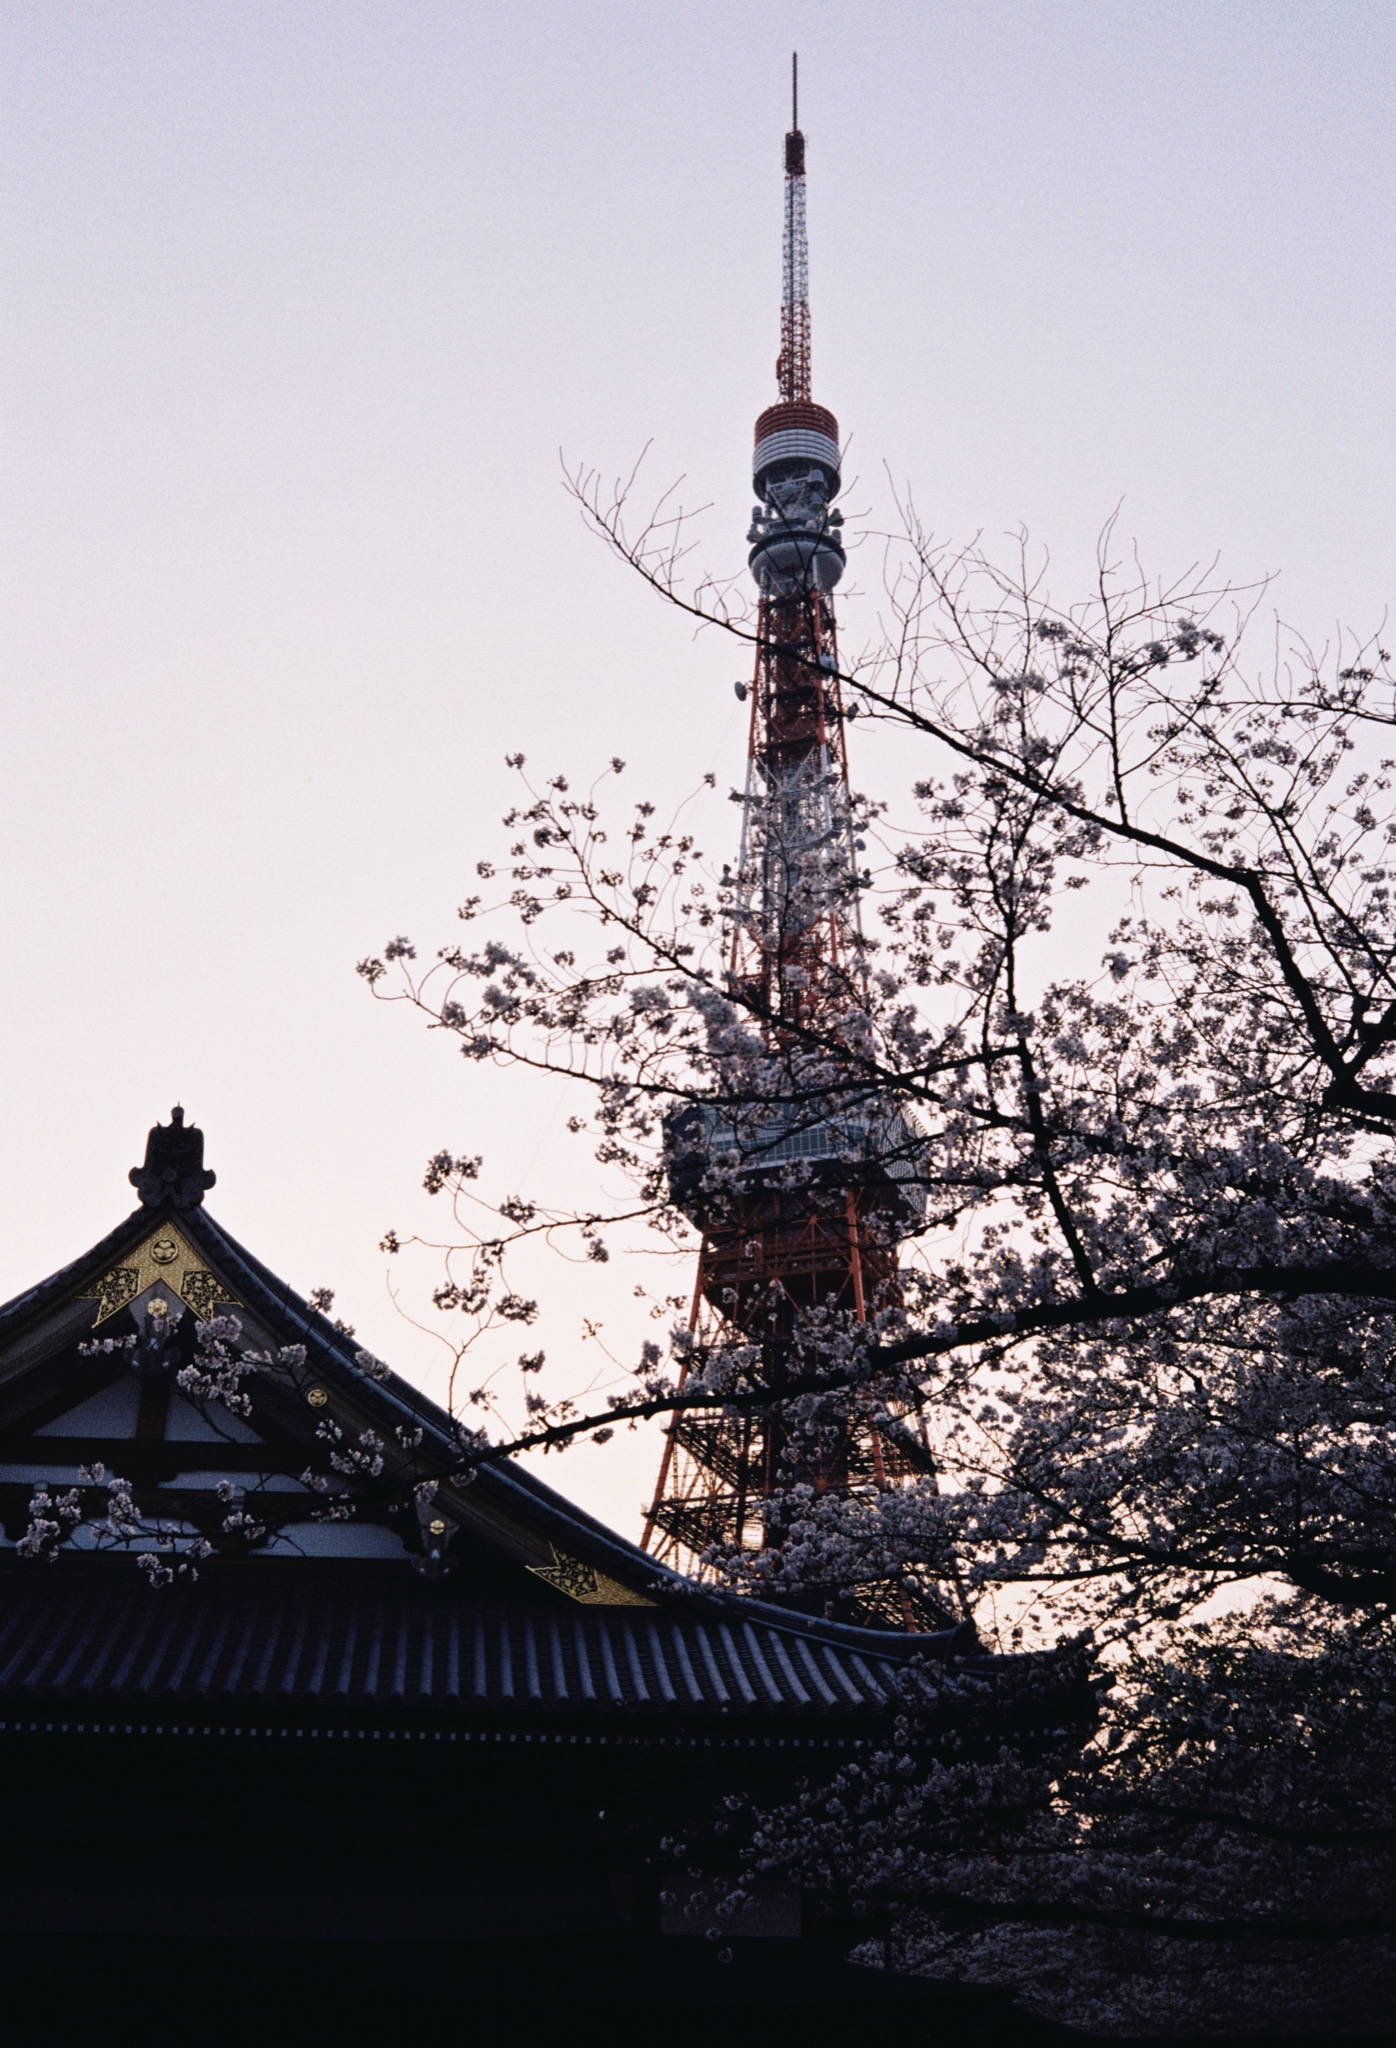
{"points": [[301, 303]]}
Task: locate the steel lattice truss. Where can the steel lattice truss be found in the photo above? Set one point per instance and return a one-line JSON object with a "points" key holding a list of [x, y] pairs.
{"points": [[807, 1223]]}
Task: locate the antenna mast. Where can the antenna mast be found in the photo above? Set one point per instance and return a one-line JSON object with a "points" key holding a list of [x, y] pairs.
{"points": [[793, 366]]}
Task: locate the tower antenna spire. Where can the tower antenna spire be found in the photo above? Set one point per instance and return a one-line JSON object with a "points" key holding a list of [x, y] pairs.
{"points": [[793, 364]]}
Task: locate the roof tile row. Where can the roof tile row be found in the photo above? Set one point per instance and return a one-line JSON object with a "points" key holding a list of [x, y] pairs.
{"points": [[270, 1632]]}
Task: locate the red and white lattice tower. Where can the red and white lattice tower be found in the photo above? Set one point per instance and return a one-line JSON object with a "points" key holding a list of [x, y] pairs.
{"points": [[773, 1251]]}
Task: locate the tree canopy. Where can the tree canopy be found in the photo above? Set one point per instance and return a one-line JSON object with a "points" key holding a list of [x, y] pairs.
{"points": [[1147, 1322]]}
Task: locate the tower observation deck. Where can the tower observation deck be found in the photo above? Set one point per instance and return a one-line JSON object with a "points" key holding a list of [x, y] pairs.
{"points": [[803, 1185]]}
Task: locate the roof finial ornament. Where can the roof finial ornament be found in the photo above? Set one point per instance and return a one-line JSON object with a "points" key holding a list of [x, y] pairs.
{"points": [[173, 1171]]}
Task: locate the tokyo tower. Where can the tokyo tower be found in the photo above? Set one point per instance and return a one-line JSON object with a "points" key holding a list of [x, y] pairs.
{"points": [[818, 1183]]}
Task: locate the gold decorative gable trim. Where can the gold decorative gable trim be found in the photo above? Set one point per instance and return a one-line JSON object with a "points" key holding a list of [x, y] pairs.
{"points": [[166, 1256], [583, 1582]]}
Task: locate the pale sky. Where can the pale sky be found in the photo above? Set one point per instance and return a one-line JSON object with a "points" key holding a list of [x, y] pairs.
{"points": [[302, 301]]}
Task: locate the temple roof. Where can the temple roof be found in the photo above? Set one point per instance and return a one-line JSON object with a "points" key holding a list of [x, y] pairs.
{"points": [[520, 1600]]}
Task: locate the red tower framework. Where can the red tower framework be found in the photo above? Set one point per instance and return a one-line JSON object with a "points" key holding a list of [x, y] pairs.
{"points": [[776, 1244]]}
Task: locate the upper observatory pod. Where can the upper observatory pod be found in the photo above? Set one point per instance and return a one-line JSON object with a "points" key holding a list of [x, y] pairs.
{"points": [[792, 437], [797, 541], [797, 544]]}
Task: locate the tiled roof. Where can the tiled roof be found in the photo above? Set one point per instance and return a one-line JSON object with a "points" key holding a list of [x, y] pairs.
{"points": [[280, 1635], [736, 1650]]}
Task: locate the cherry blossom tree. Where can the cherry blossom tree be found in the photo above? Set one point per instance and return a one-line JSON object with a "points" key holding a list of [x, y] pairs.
{"points": [[1147, 1324]]}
